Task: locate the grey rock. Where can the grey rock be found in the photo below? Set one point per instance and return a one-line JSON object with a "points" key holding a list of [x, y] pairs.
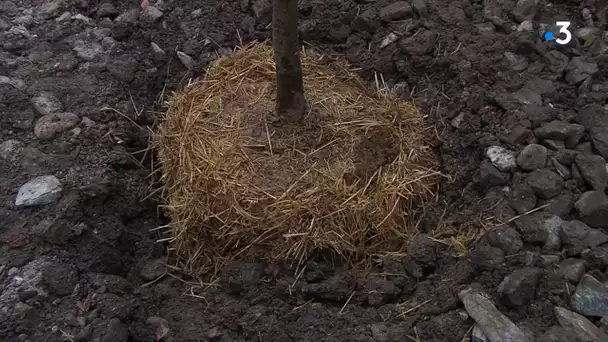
{"points": [[395, 11], [518, 135], [477, 335], [153, 269], [488, 258], [11, 150], [421, 7], [22, 311], [558, 334], [558, 62], [46, 103], [502, 158], [579, 325], [515, 62], [50, 10], [532, 157], [159, 53], [50, 126], [554, 145], [107, 9], [420, 45], [507, 239], [528, 97], [562, 131], [599, 138], [186, 60], [592, 207], [593, 170], [577, 236], [580, 68], [577, 177], [123, 68], [519, 287], [542, 86], [39, 191], [112, 283], [496, 326], [538, 226], [129, 17], [548, 259], [545, 183], [522, 198], [490, 176], [560, 205], [60, 278], [88, 51], [561, 169], [590, 297], [525, 10], [381, 292], [572, 269], [150, 15], [566, 156], [55, 231]]}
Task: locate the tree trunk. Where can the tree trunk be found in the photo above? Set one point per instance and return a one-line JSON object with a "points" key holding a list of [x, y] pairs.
{"points": [[290, 104]]}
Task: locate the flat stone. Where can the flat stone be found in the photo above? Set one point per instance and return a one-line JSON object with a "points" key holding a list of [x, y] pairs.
{"points": [[572, 269], [150, 15], [519, 287], [537, 227], [50, 126], [580, 68], [560, 205], [532, 157], [502, 158], [599, 138], [592, 207], [46, 103], [525, 10], [495, 325], [395, 11], [507, 239], [562, 131], [577, 236], [593, 170], [88, 51], [545, 183], [590, 297], [581, 326], [41, 190]]}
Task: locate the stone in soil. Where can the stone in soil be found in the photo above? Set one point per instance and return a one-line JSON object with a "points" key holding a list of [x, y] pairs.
{"points": [[580, 68], [59, 278], [577, 236], [502, 158], [593, 170], [490, 176], [507, 239], [532, 157], [545, 183], [336, 288], [41, 190], [488, 258], [123, 68], [580, 326], [46, 103], [519, 287], [592, 207], [599, 138], [572, 269], [153, 269], [494, 324], [522, 198], [590, 297], [395, 11], [560, 205], [50, 126]]}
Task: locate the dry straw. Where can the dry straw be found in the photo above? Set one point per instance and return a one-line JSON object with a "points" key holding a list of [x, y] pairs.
{"points": [[238, 184]]}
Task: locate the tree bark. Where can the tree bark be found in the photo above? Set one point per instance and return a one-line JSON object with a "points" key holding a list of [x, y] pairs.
{"points": [[290, 105]]}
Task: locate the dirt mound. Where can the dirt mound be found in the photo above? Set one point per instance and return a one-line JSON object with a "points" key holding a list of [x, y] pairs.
{"points": [[347, 178]]}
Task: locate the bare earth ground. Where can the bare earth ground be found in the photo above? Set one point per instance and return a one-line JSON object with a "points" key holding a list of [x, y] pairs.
{"points": [[73, 269]]}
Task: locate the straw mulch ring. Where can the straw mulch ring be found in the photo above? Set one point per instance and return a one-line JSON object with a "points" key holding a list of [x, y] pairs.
{"points": [[237, 183]]}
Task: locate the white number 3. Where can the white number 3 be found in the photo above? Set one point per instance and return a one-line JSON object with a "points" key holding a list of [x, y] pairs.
{"points": [[563, 25]]}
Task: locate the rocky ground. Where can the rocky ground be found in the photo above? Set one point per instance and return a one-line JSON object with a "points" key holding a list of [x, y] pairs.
{"points": [[523, 139]]}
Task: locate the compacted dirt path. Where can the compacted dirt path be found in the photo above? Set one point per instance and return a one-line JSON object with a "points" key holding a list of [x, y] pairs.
{"points": [[522, 130]]}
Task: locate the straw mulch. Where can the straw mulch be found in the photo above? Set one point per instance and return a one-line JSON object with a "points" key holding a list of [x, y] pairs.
{"points": [[238, 183]]}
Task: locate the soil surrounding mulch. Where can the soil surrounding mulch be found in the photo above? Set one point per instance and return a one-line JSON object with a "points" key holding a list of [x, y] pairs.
{"points": [[88, 263]]}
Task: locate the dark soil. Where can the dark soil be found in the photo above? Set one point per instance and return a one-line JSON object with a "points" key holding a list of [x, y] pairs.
{"points": [[89, 266]]}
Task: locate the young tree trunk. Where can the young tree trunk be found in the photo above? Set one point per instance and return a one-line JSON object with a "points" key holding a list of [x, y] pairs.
{"points": [[290, 104]]}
